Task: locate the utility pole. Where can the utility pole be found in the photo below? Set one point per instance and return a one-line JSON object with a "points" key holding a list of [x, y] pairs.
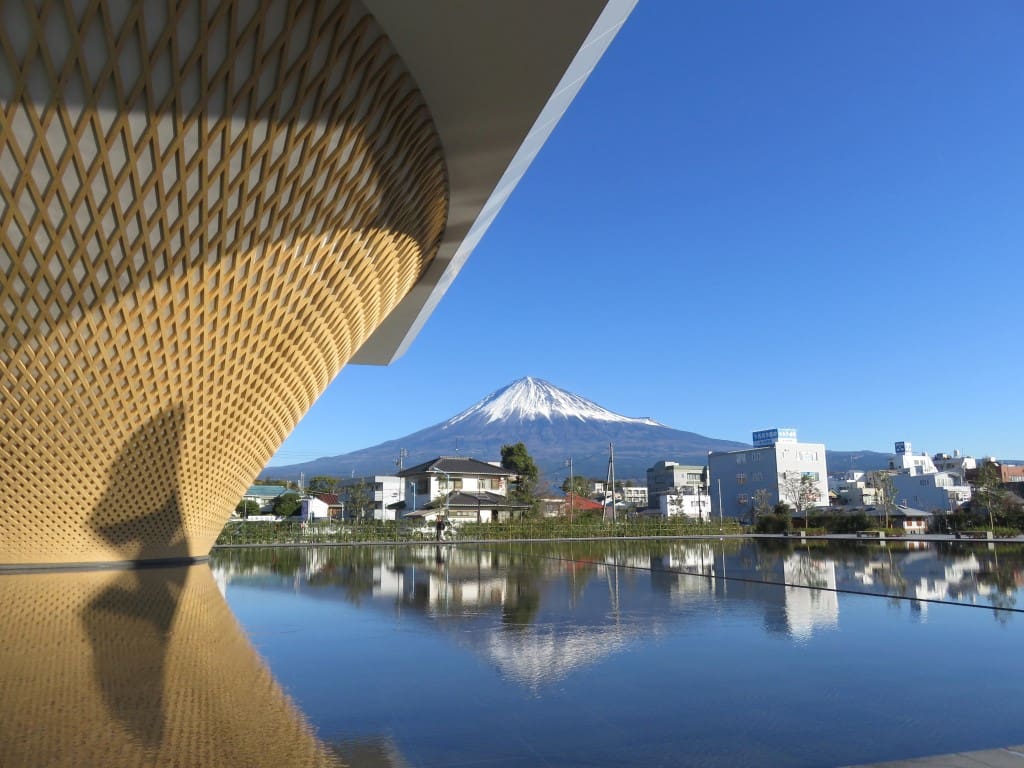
{"points": [[721, 519], [611, 476], [572, 490], [400, 461]]}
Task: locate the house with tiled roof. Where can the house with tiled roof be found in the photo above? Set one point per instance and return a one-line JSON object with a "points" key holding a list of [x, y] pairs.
{"points": [[263, 495], [470, 489]]}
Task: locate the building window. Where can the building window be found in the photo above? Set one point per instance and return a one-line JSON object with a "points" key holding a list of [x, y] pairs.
{"points": [[741, 479], [457, 483], [741, 458], [742, 499]]}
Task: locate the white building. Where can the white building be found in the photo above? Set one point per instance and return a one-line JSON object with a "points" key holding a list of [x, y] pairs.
{"points": [[669, 477], [635, 496], [955, 464], [776, 464], [385, 492], [905, 460], [919, 483], [314, 509], [942, 491], [689, 502]]}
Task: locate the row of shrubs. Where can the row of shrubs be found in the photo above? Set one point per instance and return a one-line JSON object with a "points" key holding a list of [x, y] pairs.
{"points": [[858, 521], [294, 532]]}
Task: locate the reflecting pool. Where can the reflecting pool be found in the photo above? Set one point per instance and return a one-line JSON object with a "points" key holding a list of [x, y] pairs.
{"points": [[698, 652], [713, 652]]}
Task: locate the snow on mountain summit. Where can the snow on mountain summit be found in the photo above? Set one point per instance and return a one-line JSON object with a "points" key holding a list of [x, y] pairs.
{"points": [[530, 399]]}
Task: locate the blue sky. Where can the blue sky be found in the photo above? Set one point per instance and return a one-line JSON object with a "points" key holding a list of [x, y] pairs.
{"points": [[754, 214]]}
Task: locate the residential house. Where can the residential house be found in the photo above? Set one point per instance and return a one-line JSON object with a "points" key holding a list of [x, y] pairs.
{"points": [[264, 495], [479, 489], [335, 505], [576, 505], [314, 508]]}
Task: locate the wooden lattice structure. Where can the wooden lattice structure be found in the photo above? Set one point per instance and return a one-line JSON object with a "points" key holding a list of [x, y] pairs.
{"points": [[205, 208], [145, 668]]}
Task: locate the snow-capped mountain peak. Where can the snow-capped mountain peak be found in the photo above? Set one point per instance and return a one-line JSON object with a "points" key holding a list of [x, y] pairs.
{"points": [[530, 399]]}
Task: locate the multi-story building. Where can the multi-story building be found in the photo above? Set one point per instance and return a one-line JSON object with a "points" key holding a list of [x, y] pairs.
{"points": [[635, 496], [671, 478], [778, 466], [934, 491], [956, 464], [905, 460], [918, 481]]}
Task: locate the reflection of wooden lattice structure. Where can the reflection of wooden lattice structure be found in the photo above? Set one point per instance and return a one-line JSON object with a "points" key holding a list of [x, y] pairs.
{"points": [[138, 668], [205, 208]]}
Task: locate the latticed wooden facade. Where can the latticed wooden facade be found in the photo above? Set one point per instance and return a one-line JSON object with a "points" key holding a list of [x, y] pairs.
{"points": [[207, 207], [149, 667]]}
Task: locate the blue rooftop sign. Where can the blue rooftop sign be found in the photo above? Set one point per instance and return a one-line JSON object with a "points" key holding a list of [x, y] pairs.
{"points": [[767, 437]]}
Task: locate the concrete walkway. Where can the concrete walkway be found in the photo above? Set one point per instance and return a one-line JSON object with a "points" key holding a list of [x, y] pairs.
{"points": [[1006, 757]]}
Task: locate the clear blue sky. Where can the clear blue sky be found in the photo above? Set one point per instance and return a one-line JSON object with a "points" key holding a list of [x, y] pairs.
{"points": [[754, 214]]}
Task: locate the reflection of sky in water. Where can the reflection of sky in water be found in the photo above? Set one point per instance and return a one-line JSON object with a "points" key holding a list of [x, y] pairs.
{"points": [[544, 652]]}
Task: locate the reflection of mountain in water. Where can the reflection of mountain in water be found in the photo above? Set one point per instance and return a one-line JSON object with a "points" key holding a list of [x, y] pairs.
{"points": [[538, 613], [138, 668], [543, 655]]}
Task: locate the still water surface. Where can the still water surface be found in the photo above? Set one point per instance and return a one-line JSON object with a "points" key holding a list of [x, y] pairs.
{"points": [[587, 654], [643, 653]]}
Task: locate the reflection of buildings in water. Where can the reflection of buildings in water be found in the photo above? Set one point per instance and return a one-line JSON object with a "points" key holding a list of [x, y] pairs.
{"points": [[817, 607], [685, 572], [923, 574], [141, 667]]}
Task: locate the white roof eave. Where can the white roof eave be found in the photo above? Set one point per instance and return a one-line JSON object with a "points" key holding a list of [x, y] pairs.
{"points": [[497, 77]]}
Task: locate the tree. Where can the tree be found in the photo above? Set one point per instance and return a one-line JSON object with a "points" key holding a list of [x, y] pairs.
{"points": [[885, 492], [800, 490], [247, 507], [576, 484], [358, 499], [515, 458], [762, 502], [323, 484], [989, 494], [287, 504]]}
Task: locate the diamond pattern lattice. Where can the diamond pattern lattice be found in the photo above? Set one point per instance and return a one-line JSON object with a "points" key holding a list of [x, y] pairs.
{"points": [[205, 208]]}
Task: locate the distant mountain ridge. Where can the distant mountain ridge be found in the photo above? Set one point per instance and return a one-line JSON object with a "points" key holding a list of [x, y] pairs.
{"points": [[553, 424]]}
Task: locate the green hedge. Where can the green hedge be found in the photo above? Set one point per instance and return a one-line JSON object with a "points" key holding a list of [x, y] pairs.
{"points": [[289, 532]]}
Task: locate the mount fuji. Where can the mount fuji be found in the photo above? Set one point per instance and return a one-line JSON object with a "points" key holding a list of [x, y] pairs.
{"points": [[553, 424]]}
